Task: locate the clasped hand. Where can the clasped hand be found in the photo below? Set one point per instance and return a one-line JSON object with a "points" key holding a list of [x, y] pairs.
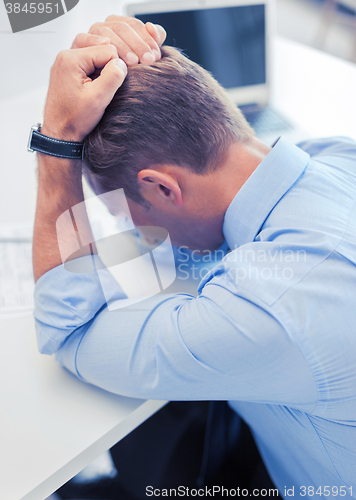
{"points": [[85, 78]]}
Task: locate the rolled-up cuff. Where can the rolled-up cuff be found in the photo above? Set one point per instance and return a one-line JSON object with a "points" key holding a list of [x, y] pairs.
{"points": [[65, 301]]}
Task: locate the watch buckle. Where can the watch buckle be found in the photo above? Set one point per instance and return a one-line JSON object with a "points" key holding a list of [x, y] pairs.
{"points": [[35, 128]]}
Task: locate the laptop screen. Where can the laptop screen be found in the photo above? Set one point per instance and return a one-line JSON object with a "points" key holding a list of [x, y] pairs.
{"points": [[230, 42]]}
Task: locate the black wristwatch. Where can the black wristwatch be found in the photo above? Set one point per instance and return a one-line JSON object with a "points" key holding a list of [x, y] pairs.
{"points": [[54, 147]]}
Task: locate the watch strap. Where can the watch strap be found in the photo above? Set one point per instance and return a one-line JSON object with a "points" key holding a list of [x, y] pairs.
{"points": [[54, 147]]}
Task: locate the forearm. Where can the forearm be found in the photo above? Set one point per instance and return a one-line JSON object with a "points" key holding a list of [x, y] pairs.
{"points": [[176, 346], [59, 189], [83, 82]]}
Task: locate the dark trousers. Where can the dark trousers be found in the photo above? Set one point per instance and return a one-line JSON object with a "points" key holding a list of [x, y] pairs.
{"points": [[191, 444]]}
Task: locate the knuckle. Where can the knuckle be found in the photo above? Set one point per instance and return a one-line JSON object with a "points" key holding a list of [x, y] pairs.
{"points": [[94, 27], [63, 56], [78, 38], [112, 50], [135, 23], [62, 61], [112, 17], [99, 30], [120, 26]]}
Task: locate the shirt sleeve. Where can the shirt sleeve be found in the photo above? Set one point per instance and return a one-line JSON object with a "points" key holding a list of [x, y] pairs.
{"points": [[217, 346]]}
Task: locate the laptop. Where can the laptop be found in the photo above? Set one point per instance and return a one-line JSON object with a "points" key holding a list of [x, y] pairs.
{"points": [[232, 40]]}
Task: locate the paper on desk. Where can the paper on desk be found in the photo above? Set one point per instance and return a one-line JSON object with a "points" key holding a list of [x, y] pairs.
{"points": [[16, 277]]}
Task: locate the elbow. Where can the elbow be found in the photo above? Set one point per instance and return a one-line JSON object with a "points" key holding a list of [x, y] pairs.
{"points": [[48, 342]]}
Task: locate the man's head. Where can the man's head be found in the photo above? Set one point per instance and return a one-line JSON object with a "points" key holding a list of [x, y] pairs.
{"points": [[164, 138]]}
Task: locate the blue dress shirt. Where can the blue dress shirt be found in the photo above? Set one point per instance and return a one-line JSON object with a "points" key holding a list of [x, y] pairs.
{"points": [[272, 330]]}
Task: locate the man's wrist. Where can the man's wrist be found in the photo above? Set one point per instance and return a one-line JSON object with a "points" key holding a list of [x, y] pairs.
{"points": [[48, 141], [67, 134], [59, 170]]}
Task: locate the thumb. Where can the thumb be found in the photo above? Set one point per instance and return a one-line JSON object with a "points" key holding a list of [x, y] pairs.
{"points": [[111, 78]]}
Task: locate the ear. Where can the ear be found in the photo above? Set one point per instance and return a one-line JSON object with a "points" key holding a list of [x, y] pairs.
{"points": [[158, 187]]}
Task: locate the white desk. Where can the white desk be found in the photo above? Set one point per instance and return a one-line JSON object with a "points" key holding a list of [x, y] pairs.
{"points": [[315, 89], [52, 425]]}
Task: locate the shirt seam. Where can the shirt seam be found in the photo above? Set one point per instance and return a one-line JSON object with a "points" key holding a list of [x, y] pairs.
{"points": [[292, 332], [284, 320], [323, 445], [76, 354], [322, 405]]}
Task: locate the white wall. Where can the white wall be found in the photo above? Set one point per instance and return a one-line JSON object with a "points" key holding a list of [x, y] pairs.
{"points": [[26, 58]]}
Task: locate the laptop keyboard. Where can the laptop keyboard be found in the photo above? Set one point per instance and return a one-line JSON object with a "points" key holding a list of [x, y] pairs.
{"points": [[264, 120]]}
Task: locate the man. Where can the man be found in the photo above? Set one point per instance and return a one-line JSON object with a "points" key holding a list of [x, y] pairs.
{"points": [[272, 329]]}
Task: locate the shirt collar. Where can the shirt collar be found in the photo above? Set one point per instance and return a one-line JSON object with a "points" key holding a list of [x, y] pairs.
{"points": [[274, 176]]}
